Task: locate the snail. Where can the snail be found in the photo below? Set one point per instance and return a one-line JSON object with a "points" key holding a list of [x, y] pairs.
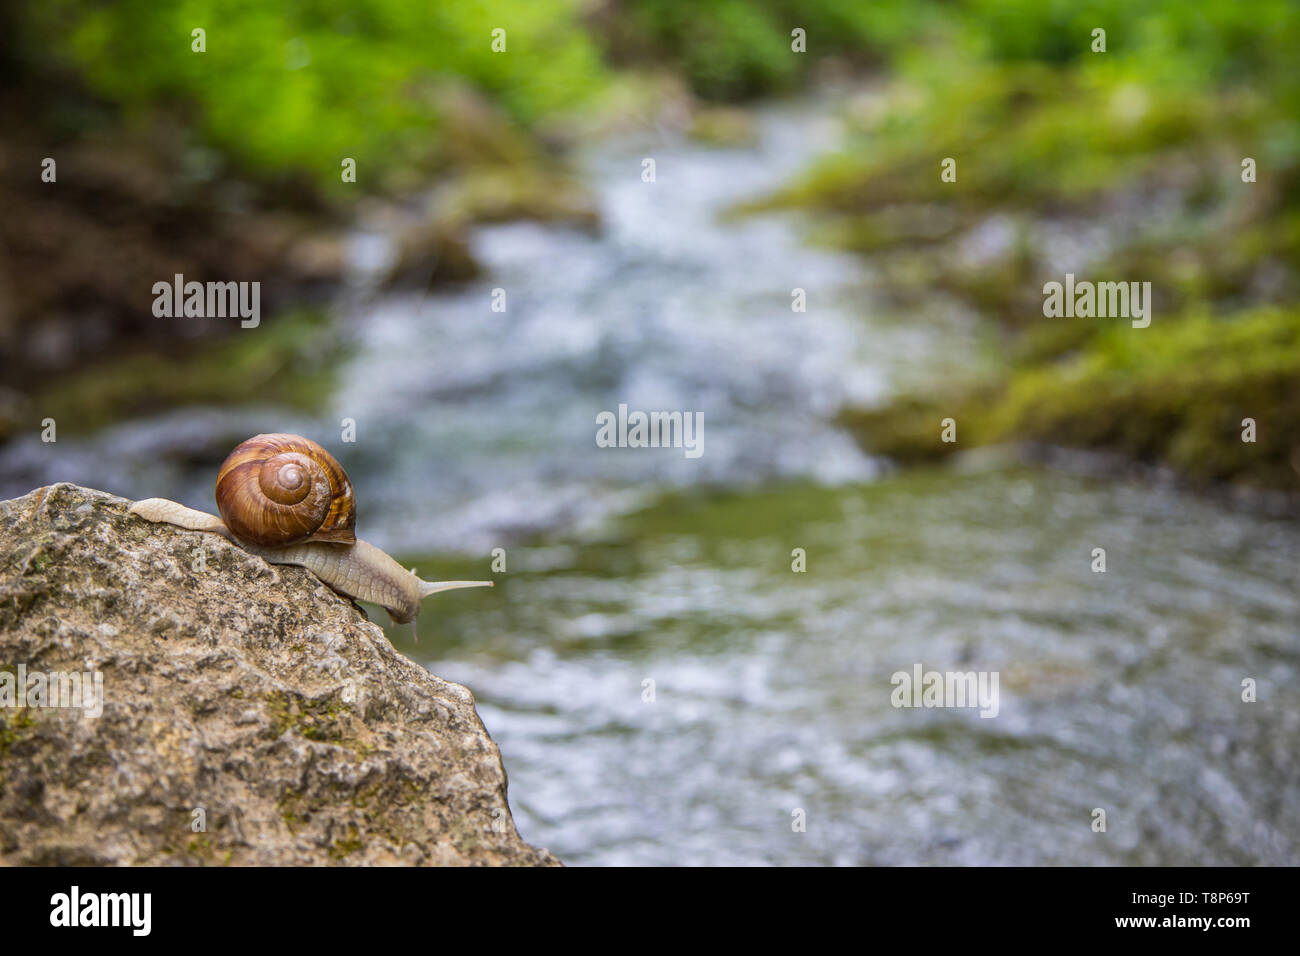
{"points": [[287, 500]]}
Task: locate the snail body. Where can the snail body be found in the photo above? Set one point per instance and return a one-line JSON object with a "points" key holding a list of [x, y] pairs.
{"points": [[288, 501]]}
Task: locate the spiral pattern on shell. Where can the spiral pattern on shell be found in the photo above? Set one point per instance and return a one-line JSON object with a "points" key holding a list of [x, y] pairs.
{"points": [[281, 489]]}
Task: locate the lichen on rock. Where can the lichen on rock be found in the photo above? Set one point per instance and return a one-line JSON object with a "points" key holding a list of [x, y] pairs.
{"points": [[250, 715]]}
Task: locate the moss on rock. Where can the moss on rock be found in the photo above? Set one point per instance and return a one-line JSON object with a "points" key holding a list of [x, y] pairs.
{"points": [[1176, 393]]}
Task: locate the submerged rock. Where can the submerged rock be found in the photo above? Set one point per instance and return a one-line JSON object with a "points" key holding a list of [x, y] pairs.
{"points": [[250, 715]]}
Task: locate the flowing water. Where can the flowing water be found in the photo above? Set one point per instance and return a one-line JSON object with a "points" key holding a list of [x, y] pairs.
{"points": [[664, 687], [1117, 690]]}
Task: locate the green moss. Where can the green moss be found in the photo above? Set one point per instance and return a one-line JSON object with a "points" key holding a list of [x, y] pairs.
{"points": [[326, 720], [502, 194], [15, 726], [1175, 393], [200, 847], [1042, 343], [291, 808], [1008, 289], [725, 127], [343, 847], [38, 560], [909, 429], [381, 808], [465, 836], [289, 359]]}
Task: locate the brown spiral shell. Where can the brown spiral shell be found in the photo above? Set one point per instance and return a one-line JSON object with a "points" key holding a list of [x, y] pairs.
{"points": [[281, 489]]}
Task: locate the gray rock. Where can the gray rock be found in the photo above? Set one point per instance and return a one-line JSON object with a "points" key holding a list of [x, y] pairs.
{"points": [[250, 691]]}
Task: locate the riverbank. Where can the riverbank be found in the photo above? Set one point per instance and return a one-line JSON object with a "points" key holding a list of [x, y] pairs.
{"points": [[983, 184]]}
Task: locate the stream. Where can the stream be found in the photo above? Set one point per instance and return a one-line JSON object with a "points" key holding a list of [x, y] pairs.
{"points": [[664, 688]]}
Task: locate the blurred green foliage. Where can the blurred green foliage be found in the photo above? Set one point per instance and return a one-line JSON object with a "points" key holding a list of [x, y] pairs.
{"points": [[290, 361], [736, 49], [303, 84], [1178, 398], [1134, 156], [730, 49], [1048, 135]]}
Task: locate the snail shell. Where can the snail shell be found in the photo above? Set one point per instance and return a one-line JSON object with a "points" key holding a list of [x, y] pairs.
{"points": [[279, 489]]}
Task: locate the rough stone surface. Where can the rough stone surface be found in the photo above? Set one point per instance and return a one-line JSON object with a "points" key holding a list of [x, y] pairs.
{"points": [[246, 689]]}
